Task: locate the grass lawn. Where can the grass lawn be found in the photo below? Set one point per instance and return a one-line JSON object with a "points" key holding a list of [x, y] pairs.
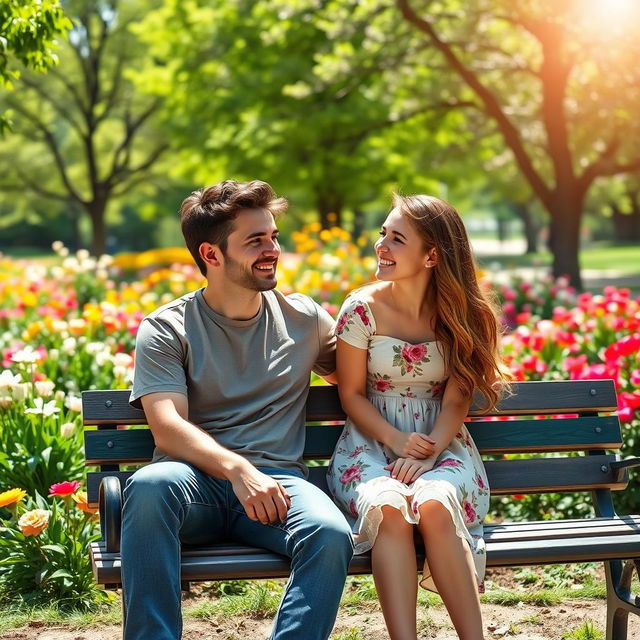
{"points": [[622, 258]]}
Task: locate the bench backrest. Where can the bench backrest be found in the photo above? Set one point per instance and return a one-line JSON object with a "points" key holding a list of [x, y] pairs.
{"points": [[574, 419]]}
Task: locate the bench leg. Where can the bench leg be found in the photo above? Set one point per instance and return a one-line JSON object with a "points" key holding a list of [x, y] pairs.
{"points": [[620, 600]]}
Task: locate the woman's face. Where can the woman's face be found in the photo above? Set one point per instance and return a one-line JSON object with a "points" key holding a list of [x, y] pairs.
{"points": [[400, 250]]}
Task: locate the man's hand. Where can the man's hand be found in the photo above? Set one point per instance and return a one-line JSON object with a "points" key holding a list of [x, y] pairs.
{"points": [[412, 445], [408, 470], [263, 498]]}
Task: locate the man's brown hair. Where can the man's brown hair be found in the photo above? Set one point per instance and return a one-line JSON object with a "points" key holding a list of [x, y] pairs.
{"points": [[207, 215]]}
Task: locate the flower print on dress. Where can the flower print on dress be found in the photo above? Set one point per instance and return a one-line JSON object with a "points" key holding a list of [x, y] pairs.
{"points": [[481, 484], [447, 463], [469, 507], [353, 510], [408, 393], [347, 319], [351, 475], [437, 388], [357, 451], [410, 358], [382, 382]]}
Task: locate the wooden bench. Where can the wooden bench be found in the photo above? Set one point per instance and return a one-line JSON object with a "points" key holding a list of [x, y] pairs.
{"points": [[578, 425]]}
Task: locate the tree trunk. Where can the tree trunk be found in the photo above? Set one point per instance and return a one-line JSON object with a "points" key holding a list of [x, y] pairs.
{"points": [[96, 210], [626, 226], [566, 213], [330, 210], [530, 227]]}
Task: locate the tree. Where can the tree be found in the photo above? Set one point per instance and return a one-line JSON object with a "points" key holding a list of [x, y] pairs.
{"points": [[560, 88], [83, 134], [28, 32], [289, 93]]}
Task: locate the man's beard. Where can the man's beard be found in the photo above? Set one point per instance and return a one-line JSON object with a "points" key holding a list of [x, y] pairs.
{"points": [[244, 277]]}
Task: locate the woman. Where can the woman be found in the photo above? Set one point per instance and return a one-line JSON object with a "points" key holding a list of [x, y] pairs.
{"points": [[413, 348]]}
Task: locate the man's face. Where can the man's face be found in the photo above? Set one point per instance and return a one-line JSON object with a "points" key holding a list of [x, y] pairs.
{"points": [[252, 252]]}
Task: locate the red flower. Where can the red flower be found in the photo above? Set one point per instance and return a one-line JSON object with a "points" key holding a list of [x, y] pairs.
{"points": [[351, 474], [63, 489], [383, 385], [469, 512], [342, 320], [362, 312], [353, 510]]}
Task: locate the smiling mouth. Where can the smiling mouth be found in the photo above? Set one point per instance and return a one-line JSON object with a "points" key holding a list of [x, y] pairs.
{"points": [[265, 267], [385, 263]]}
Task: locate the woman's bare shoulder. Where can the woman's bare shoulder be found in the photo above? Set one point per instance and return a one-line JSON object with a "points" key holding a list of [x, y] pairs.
{"points": [[371, 293]]}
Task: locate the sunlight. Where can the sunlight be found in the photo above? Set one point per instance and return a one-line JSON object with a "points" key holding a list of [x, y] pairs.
{"points": [[611, 15]]}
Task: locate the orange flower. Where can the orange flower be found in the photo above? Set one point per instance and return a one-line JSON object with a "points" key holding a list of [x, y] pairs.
{"points": [[63, 489], [80, 498], [33, 522], [11, 497]]}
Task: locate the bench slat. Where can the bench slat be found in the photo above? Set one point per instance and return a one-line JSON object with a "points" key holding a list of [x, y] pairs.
{"points": [[127, 446], [235, 561], [506, 477], [568, 396]]}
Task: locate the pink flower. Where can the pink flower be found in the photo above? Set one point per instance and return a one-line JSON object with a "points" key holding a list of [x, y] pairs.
{"points": [[635, 377], [362, 312], [448, 462], [351, 474], [414, 507], [414, 352], [480, 482], [353, 510], [63, 489], [383, 385], [469, 512], [342, 321]]}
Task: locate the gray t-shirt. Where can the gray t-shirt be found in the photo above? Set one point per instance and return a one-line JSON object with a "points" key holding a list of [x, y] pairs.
{"points": [[246, 380]]}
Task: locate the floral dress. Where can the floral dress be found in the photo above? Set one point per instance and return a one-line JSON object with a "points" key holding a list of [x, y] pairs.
{"points": [[405, 383]]}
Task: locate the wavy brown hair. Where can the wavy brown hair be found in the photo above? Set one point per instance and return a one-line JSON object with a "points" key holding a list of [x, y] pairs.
{"points": [[465, 317]]}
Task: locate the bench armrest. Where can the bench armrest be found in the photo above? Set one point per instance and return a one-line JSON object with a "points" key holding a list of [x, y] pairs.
{"points": [[110, 502], [619, 467]]}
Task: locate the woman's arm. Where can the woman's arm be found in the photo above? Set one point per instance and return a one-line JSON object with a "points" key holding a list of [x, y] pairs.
{"points": [[352, 384]]}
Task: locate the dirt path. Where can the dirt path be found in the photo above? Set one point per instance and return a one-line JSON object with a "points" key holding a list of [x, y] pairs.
{"points": [[521, 622]]}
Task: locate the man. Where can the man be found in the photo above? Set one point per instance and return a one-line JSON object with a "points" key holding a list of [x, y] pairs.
{"points": [[222, 374]]}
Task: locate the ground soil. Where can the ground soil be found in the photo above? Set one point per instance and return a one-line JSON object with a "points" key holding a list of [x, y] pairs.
{"points": [[520, 622]]}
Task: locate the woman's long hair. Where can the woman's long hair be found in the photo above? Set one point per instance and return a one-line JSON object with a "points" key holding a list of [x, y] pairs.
{"points": [[465, 318]]}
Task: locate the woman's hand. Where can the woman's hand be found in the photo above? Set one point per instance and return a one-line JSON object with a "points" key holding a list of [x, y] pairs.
{"points": [[412, 445], [408, 470]]}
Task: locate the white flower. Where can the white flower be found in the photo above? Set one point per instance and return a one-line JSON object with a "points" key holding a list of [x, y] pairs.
{"points": [[5, 402], [73, 403], [67, 429], [82, 254], [20, 392], [26, 355], [44, 388], [42, 408], [8, 380], [57, 245], [122, 360], [69, 346], [94, 348]]}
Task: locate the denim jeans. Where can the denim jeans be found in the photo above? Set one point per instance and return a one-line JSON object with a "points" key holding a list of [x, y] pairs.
{"points": [[169, 502]]}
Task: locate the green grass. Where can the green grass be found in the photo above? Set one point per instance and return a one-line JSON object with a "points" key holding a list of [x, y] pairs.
{"points": [[14, 617], [587, 631], [623, 258]]}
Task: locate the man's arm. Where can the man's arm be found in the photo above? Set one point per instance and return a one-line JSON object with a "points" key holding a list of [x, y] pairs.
{"points": [[263, 499]]}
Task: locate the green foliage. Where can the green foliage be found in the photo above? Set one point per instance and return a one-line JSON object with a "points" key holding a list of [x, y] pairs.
{"points": [[50, 566], [35, 450], [588, 631]]}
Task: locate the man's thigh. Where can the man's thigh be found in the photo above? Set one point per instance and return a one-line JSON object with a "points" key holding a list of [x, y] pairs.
{"points": [[311, 510], [199, 501]]}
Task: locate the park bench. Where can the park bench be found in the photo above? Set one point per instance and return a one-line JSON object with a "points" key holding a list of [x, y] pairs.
{"points": [[574, 421]]}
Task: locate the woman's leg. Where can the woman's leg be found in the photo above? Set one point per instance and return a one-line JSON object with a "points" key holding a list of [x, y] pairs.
{"points": [[451, 564], [393, 560]]}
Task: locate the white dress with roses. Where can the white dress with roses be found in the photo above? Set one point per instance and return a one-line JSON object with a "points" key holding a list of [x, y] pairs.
{"points": [[405, 383]]}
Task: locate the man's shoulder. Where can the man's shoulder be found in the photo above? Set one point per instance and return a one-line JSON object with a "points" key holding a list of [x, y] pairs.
{"points": [[296, 302], [174, 309]]}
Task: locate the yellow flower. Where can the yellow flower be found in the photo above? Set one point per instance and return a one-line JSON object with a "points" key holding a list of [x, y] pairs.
{"points": [[80, 498], [11, 497], [33, 522]]}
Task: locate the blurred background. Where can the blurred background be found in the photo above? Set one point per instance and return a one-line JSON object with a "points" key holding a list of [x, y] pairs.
{"points": [[521, 114]]}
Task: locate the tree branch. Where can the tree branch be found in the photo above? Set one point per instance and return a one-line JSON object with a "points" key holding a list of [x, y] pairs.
{"points": [[491, 105]]}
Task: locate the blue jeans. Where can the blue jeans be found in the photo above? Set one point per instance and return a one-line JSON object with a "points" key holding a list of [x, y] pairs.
{"points": [[167, 503]]}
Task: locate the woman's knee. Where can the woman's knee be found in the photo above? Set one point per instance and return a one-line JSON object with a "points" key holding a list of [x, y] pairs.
{"points": [[393, 520], [435, 518]]}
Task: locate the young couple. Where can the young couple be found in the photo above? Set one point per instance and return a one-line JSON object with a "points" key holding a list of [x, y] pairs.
{"points": [[223, 373]]}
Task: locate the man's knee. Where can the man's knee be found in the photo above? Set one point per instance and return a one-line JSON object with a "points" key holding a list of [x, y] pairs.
{"points": [[154, 487]]}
